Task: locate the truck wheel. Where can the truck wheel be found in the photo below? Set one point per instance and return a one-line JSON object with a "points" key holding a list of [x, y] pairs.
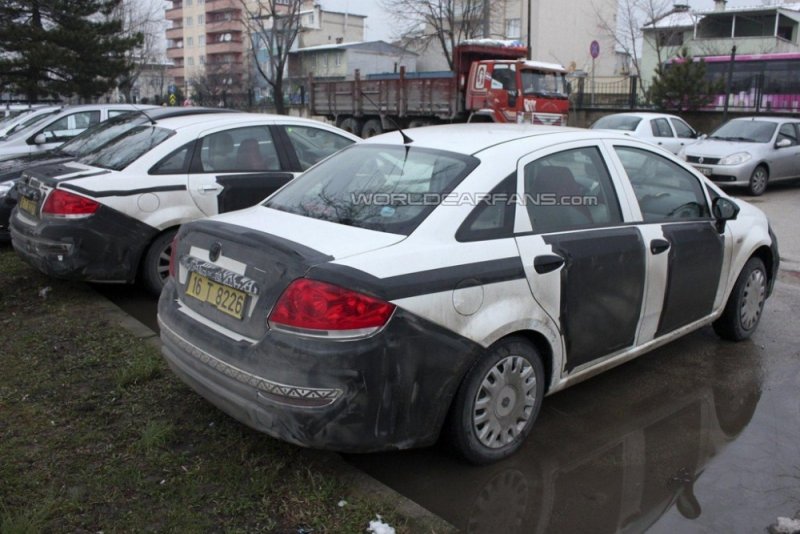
{"points": [[155, 268], [745, 303], [371, 128], [352, 125], [497, 402]]}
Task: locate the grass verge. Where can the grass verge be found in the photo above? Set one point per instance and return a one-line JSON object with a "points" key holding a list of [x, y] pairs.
{"points": [[97, 435]]}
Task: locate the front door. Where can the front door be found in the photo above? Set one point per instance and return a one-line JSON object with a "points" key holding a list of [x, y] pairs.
{"points": [[584, 266]]}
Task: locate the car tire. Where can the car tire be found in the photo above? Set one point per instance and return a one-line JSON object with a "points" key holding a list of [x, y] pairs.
{"points": [[745, 303], [758, 181], [351, 125], [372, 128], [497, 403], [155, 268]]}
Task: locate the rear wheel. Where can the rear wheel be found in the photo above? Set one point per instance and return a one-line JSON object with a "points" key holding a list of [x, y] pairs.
{"points": [[352, 125], [371, 128], [497, 403], [758, 181], [155, 268], [745, 303]]}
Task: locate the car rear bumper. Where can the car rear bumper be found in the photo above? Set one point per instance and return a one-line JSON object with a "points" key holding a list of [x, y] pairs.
{"points": [[97, 248], [390, 391]]}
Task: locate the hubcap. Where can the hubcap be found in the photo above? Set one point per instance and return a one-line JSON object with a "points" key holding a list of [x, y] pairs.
{"points": [[163, 262], [759, 180], [755, 290], [504, 402]]}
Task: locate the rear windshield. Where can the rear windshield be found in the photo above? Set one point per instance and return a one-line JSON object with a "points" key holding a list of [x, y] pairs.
{"points": [[128, 147], [385, 188], [745, 131], [617, 122], [100, 134]]}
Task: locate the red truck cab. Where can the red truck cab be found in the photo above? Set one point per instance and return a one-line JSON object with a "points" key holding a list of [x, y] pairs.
{"points": [[499, 85]]}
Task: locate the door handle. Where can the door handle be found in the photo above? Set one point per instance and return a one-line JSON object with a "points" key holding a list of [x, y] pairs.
{"points": [[657, 246], [206, 188], [547, 263]]}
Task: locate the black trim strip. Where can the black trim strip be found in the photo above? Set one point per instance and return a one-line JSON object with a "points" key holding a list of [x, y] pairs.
{"points": [[422, 282], [124, 193]]}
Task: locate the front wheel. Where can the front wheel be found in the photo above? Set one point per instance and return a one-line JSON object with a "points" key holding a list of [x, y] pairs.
{"points": [[155, 268], [497, 403], [758, 181], [745, 303]]}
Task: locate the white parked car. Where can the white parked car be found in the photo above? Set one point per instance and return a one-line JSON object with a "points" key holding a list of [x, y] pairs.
{"points": [[667, 131], [111, 215], [59, 127], [25, 119], [400, 290]]}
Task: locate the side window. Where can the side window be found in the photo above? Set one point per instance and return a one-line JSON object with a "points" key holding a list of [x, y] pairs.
{"points": [[660, 128], [787, 131], [175, 163], [570, 189], [493, 217], [665, 191], [682, 129], [240, 150], [314, 144], [71, 125], [117, 112]]}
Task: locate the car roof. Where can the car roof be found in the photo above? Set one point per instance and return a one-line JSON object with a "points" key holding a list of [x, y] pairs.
{"points": [[767, 119], [210, 121], [471, 138], [641, 114]]}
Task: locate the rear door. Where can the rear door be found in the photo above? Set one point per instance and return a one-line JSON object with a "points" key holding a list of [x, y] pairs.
{"points": [[686, 253], [663, 134], [786, 160], [236, 168], [585, 267]]}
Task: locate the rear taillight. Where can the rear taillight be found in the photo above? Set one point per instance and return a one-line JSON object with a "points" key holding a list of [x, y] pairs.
{"points": [[66, 204], [172, 248], [324, 310]]}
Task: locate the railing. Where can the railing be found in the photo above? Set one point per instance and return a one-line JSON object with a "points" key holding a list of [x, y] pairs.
{"points": [[617, 92]]}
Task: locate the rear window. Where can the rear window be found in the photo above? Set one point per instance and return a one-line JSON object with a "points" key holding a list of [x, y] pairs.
{"points": [[100, 134], [385, 188], [128, 147], [617, 122]]}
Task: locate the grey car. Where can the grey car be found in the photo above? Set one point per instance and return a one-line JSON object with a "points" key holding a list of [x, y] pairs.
{"points": [[749, 151]]}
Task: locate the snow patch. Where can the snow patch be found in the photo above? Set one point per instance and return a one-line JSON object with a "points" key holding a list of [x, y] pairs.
{"points": [[786, 526], [377, 526]]}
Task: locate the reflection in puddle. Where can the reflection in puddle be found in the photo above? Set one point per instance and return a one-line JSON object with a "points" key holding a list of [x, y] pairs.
{"points": [[612, 454]]}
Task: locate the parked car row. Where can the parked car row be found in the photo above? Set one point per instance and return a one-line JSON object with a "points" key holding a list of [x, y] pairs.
{"points": [[364, 296], [749, 151]]}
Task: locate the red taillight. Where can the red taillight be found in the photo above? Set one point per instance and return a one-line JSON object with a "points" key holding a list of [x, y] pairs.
{"points": [[66, 204], [172, 248], [328, 310]]}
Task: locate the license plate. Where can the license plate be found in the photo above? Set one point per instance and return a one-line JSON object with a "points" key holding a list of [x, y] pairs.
{"points": [[704, 170], [28, 205], [224, 298]]}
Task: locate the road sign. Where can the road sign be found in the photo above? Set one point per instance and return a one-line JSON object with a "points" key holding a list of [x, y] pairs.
{"points": [[172, 99], [172, 90], [594, 49]]}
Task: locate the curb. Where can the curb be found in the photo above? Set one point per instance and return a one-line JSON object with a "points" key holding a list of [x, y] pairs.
{"points": [[419, 519]]}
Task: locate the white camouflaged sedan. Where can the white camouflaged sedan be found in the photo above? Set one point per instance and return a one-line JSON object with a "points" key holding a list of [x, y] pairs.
{"points": [[406, 289]]}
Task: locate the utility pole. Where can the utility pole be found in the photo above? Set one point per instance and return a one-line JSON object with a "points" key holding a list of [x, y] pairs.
{"points": [[728, 84], [486, 13], [530, 49]]}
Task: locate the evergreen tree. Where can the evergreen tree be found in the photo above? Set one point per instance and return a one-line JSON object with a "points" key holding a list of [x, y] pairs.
{"points": [[683, 85], [62, 47]]}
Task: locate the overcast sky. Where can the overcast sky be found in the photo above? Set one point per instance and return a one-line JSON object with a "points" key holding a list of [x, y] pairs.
{"points": [[380, 25]]}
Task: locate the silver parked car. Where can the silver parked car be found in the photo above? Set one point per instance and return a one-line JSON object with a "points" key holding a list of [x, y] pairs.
{"points": [[667, 131], [749, 151]]}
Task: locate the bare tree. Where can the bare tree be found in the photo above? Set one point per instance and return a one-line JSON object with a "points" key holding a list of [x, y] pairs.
{"points": [[145, 18], [627, 28], [273, 27], [444, 22]]}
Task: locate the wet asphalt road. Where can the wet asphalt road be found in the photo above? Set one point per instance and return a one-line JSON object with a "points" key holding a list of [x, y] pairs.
{"points": [[698, 436]]}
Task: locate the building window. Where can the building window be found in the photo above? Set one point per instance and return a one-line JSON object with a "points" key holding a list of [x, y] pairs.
{"points": [[190, 61], [513, 28], [338, 60], [189, 42], [188, 2], [188, 21], [201, 19], [201, 40], [324, 60], [202, 60]]}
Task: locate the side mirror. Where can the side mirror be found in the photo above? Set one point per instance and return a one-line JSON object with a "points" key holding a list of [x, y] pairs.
{"points": [[783, 143], [724, 209], [40, 139]]}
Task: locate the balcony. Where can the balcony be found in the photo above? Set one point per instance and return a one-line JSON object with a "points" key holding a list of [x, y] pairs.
{"points": [[175, 52], [228, 47], [744, 45], [175, 33], [221, 26], [175, 13], [216, 6], [176, 71]]}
